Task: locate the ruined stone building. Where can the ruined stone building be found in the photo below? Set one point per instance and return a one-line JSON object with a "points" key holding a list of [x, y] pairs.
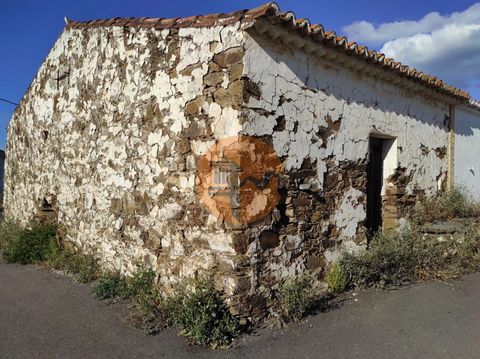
{"points": [[251, 145]]}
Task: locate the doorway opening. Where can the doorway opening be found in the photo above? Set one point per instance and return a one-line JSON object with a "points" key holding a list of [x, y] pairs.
{"points": [[381, 164]]}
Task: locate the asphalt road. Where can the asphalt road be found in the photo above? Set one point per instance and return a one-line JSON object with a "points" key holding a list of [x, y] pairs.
{"points": [[47, 315]]}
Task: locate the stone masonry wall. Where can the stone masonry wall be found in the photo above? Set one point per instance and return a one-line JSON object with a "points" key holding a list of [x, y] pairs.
{"points": [[106, 141], [318, 117]]}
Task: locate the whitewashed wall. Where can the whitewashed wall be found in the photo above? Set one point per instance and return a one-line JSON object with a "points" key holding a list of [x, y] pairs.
{"points": [[467, 149], [113, 145], [318, 116]]}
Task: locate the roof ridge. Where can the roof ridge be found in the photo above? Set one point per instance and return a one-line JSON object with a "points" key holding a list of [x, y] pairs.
{"points": [[217, 19], [303, 27]]}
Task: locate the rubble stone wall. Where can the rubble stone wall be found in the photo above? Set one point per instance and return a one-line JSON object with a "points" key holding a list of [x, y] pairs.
{"points": [[107, 140], [318, 117], [107, 137]]}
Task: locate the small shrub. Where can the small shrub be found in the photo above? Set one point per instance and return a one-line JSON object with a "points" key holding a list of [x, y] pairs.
{"points": [[83, 266], [9, 231], [142, 283], [149, 310], [396, 258], [109, 285], [29, 245], [456, 203], [336, 280], [295, 296], [203, 315], [390, 260], [57, 258]]}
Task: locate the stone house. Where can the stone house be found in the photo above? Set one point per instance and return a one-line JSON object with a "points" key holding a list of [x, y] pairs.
{"points": [[251, 145]]}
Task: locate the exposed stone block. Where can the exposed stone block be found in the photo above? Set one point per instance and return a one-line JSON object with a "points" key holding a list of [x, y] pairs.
{"points": [[269, 240], [229, 57]]}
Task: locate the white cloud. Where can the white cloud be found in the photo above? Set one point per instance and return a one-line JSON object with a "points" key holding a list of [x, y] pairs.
{"points": [[367, 33], [445, 46]]}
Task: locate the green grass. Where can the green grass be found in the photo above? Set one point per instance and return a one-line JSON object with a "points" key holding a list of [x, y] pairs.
{"points": [[37, 244], [27, 245], [109, 285], [84, 267], [142, 283], [149, 310], [9, 231]]}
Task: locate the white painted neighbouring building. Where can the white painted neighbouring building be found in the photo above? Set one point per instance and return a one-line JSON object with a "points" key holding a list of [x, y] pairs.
{"points": [[253, 145], [467, 147]]}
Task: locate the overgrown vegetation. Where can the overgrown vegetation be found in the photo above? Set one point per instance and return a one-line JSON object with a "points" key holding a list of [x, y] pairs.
{"points": [[395, 258], [109, 285], [149, 310], [9, 231], [295, 296], [83, 266], [37, 243], [26, 245], [197, 309], [456, 203]]}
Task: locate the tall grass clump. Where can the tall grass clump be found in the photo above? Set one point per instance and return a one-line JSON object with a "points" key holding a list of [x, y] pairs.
{"points": [[456, 203], [149, 309], [37, 243], [9, 231], [336, 280], [395, 258], [109, 285]]}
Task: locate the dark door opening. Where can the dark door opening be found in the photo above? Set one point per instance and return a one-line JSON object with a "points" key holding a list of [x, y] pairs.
{"points": [[374, 186]]}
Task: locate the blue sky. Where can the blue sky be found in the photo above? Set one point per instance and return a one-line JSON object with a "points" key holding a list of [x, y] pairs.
{"points": [[414, 31]]}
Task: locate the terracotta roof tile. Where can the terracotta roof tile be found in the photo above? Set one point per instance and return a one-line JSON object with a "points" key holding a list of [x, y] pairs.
{"points": [[272, 13]]}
